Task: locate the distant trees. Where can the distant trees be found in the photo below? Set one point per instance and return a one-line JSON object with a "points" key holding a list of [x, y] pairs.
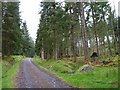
{"points": [[13, 40], [76, 29], [27, 44]]}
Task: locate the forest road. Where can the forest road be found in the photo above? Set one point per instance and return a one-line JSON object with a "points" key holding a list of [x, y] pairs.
{"points": [[30, 76]]}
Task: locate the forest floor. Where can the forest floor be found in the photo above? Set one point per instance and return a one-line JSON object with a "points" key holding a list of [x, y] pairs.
{"points": [[20, 73], [30, 76], [99, 77]]}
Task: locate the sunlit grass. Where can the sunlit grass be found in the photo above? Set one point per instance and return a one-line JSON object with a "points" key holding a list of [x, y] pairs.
{"points": [[100, 77], [9, 70], [0, 75], [52, 65], [9, 77]]}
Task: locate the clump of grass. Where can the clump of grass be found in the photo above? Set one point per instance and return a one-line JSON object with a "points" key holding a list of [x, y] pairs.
{"points": [[100, 77], [55, 66], [0, 75], [9, 70], [9, 77]]}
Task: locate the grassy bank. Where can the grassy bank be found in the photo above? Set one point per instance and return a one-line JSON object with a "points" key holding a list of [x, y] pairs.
{"points": [[100, 77], [0, 74], [10, 66]]}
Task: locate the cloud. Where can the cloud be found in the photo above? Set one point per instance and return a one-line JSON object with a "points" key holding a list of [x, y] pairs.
{"points": [[29, 12]]}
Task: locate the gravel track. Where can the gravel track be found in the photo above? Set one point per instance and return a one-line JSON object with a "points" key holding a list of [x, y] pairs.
{"points": [[30, 76]]}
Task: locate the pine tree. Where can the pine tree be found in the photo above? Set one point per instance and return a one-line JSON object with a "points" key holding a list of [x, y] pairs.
{"points": [[10, 27]]}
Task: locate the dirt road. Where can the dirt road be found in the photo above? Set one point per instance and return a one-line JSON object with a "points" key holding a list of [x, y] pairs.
{"points": [[30, 76]]}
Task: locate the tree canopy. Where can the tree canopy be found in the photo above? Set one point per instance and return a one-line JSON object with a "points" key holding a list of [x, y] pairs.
{"points": [[15, 40], [74, 29]]}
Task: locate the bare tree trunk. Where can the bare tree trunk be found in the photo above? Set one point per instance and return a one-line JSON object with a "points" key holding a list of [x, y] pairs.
{"points": [[56, 52], [118, 29], [81, 48], [73, 47], [96, 35], [42, 53], [114, 33], [108, 40], [84, 31], [72, 34], [104, 48], [100, 47], [109, 47]]}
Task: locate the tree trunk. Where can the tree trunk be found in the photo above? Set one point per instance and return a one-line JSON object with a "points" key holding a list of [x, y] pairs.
{"points": [[108, 40], [55, 52], [95, 32], [84, 31], [101, 46], [118, 29], [42, 53], [104, 48], [73, 47]]}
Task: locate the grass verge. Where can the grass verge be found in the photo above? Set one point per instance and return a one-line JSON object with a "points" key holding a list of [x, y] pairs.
{"points": [[100, 77], [0, 74], [10, 66]]}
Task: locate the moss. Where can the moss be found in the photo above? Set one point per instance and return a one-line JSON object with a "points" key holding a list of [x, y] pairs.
{"points": [[100, 77]]}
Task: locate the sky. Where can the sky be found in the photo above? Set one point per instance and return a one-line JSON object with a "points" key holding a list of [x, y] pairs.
{"points": [[30, 13]]}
